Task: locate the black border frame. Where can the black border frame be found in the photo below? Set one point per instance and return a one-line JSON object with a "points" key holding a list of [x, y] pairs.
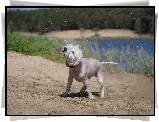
{"points": [[6, 7]]}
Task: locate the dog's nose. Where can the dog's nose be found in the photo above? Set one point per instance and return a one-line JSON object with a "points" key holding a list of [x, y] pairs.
{"points": [[65, 49]]}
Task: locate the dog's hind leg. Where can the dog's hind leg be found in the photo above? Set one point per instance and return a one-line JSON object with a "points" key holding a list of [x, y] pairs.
{"points": [[100, 80]]}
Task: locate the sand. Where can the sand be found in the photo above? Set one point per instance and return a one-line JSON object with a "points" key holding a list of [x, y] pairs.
{"points": [[34, 87]]}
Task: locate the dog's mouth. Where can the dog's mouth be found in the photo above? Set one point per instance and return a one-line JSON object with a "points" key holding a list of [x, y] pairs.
{"points": [[70, 59], [66, 55]]}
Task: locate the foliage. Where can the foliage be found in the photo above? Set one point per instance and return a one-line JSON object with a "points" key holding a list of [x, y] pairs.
{"points": [[45, 20], [138, 25]]}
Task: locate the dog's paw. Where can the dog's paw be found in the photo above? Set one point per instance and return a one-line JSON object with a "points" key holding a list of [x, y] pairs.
{"points": [[101, 96], [91, 97], [64, 94]]}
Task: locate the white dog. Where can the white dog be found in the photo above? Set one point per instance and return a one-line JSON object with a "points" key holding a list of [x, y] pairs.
{"points": [[82, 69]]}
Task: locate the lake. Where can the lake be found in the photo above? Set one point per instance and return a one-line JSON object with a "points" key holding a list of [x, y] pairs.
{"points": [[134, 44]]}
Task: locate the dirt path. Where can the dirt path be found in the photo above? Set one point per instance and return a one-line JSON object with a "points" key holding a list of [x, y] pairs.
{"points": [[34, 86]]}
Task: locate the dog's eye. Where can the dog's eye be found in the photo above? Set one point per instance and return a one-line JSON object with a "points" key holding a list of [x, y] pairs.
{"points": [[73, 52]]}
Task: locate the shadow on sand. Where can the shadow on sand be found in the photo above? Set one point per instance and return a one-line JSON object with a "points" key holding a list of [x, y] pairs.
{"points": [[79, 94]]}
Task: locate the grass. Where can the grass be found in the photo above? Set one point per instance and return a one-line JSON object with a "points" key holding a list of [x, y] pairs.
{"points": [[49, 48], [35, 45]]}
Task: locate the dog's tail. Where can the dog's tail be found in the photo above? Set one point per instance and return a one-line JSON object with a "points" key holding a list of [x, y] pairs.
{"points": [[108, 63]]}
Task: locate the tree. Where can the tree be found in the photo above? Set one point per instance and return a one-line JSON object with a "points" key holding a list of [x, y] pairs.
{"points": [[137, 26], [11, 26], [151, 26], [46, 20], [145, 24], [24, 27]]}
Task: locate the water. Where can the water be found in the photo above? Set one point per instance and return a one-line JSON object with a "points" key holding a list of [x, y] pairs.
{"points": [[134, 44]]}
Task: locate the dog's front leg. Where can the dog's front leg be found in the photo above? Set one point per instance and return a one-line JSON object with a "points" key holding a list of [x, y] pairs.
{"points": [[83, 89], [86, 84], [70, 80]]}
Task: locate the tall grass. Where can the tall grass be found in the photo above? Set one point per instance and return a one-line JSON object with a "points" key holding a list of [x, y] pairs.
{"points": [[138, 61]]}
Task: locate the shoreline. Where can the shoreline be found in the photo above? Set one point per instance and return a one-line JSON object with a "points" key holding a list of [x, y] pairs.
{"points": [[89, 34], [110, 38]]}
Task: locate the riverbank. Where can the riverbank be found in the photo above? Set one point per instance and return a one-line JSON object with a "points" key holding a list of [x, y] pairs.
{"points": [[89, 34]]}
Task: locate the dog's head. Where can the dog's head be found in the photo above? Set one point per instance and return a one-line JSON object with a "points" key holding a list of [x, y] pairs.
{"points": [[72, 53]]}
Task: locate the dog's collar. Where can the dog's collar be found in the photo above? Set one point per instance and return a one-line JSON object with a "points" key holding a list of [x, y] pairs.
{"points": [[73, 66]]}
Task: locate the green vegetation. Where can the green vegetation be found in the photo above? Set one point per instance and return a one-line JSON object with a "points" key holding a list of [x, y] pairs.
{"points": [[42, 21], [35, 45], [133, 62]]}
